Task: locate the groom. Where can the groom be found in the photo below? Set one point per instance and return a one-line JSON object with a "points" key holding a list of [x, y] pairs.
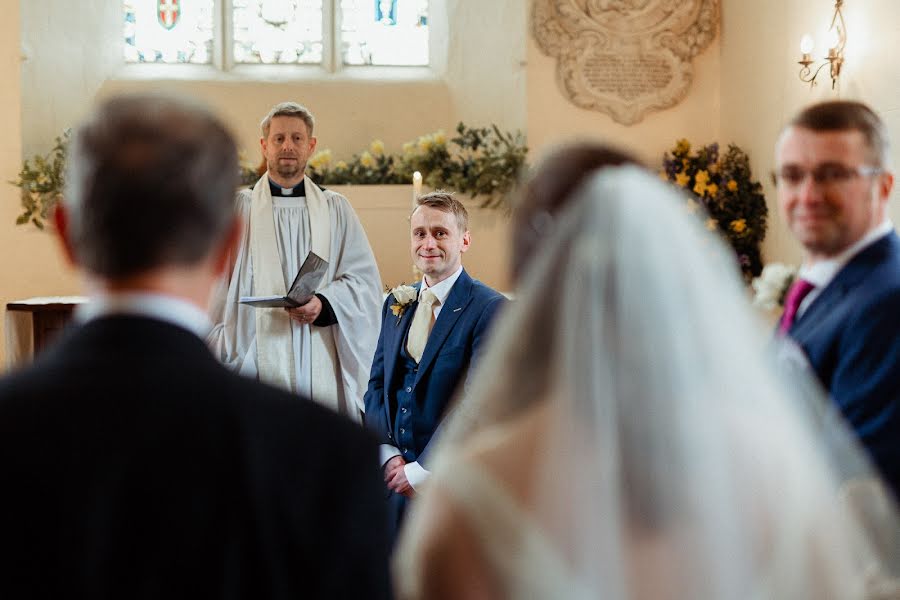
{"points": [[425, 351]]}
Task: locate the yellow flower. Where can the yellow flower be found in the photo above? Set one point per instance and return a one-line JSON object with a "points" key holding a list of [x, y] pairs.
{"points": [[701, 176], [682, 146], [377, 147], [711, 224], [320, 159], [341, 164], [409, 148], [440, 138], [738, 226], [425, 143], [397, 310], [712, 189], [699, 188], [367, 160], [682, 179], [714, 168], [732, 185]]}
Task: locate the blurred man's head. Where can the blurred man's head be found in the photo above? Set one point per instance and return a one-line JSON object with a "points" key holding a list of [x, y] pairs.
{"points": [[831, 169], [150, 185]]}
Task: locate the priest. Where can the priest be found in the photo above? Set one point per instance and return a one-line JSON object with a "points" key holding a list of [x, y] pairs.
{"points": [[324, 348]]}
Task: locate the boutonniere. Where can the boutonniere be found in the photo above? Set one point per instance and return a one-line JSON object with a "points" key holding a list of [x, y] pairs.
{"points": [[772, 285], [403, 297]]}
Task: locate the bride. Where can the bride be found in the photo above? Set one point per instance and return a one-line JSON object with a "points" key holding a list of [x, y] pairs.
{"points": [[626, 438]]}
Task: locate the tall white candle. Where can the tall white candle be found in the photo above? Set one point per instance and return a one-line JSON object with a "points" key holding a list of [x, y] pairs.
{"points": [[417, 187]]}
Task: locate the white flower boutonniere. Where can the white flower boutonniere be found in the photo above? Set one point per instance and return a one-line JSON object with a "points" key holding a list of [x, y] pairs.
{"points": [[403, 296], [772, 285]]}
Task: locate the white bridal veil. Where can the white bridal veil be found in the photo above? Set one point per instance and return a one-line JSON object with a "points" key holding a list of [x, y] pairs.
{"points": [[673, 460]]}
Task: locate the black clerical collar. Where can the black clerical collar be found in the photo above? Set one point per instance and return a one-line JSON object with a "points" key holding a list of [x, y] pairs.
{"points": [[294, 192]]}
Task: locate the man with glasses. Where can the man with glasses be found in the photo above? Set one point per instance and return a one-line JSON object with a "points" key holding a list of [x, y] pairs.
{"points": [[843, 310]]}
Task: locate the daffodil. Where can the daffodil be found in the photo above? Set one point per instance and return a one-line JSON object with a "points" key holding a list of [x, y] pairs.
{"points": [[700, 188], [377, 147], [701, 177], [367, 160], [732, 185], [712, 189], [682, 179], [409, 148], [341, 164], [440, 138], [320, 159], [738, 225], [425, 143]]}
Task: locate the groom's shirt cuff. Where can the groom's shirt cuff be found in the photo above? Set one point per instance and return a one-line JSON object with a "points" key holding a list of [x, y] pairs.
{"points": [[387, 453], [416, 475]]}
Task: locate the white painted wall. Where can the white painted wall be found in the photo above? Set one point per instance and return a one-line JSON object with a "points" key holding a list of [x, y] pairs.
{"points": [[74, 55], [761, 90]]}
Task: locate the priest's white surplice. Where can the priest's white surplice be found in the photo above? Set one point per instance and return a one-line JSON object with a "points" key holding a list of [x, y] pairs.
{"points": [[328, 364]]}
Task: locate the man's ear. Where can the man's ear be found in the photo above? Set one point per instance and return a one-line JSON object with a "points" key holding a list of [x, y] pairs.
{"points": [[61, 221], [885, 185], [224, 257], [466, 240]]}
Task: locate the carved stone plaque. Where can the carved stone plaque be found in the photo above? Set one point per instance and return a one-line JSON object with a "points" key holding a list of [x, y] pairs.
{"points": [[624, 57]]}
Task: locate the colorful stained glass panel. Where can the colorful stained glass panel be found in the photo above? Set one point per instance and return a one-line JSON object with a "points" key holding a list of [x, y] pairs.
{"points": [[384, 32], [168, 31]]}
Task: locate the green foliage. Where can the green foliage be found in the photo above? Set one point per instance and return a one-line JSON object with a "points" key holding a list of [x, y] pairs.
{"points": [[723, 186], [477, 162], [41, 182]]}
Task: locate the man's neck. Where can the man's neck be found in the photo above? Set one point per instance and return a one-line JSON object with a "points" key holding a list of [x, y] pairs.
{"points": [[190, 284], [285, 183]]}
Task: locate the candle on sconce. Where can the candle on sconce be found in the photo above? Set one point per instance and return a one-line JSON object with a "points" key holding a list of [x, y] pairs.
{"points": [[417, 187]]}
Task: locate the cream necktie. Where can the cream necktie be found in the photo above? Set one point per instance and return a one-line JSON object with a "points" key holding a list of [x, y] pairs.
{"points": [[422, 321]]}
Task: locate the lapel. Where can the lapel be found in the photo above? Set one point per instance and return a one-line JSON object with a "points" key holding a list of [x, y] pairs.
{"points": [[459, 298], [848, 278], [395, 335]]}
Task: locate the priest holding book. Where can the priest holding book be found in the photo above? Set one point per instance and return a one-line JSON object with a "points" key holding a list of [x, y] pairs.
{"points": [[323, 348]]}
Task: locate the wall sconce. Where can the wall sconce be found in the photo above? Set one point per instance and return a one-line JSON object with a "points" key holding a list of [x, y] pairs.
{"points": [[837, 39]]}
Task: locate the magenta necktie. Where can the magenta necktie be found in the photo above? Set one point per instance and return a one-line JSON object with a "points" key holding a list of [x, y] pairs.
{"points": [[799, 290]]}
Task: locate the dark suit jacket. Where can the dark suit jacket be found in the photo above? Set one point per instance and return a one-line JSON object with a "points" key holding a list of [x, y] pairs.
{"points": [[133, 465], [851, 336], [454, 343]]}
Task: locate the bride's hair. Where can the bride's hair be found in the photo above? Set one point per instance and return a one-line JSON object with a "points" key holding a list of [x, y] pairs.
{"points": [[548, 189]]}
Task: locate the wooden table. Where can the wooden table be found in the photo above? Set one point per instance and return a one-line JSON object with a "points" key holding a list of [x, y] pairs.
{"points": [[33, 323]]}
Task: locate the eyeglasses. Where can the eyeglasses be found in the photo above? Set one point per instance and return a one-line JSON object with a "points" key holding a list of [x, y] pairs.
{"points": [[825, 175]]}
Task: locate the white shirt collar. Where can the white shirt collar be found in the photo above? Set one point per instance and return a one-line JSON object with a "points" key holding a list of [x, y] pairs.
{"points": [[155, 306], [821, 273], [442, 289]]}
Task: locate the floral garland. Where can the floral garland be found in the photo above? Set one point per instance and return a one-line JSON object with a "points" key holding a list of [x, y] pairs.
{"points": [[477, 162], [724, 192]]}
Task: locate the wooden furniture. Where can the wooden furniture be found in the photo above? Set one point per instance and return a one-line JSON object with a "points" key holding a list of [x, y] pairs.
{"points": [[33, 323]]}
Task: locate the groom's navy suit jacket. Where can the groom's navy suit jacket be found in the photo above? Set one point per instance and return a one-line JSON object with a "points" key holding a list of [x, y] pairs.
{"points": [[406, 402], [851, 336]]}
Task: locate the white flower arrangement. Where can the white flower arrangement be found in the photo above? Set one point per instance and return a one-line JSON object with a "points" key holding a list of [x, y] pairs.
{"points": [[772, 285], [404, 295]]}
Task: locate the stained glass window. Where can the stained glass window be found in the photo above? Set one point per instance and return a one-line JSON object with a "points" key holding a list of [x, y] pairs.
{"points": [[384, 32], [366, 32], [169, 31], [278, 31]]}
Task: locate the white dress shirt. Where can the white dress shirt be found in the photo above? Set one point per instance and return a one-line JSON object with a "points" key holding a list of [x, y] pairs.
{"points": [[169, 309]]}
